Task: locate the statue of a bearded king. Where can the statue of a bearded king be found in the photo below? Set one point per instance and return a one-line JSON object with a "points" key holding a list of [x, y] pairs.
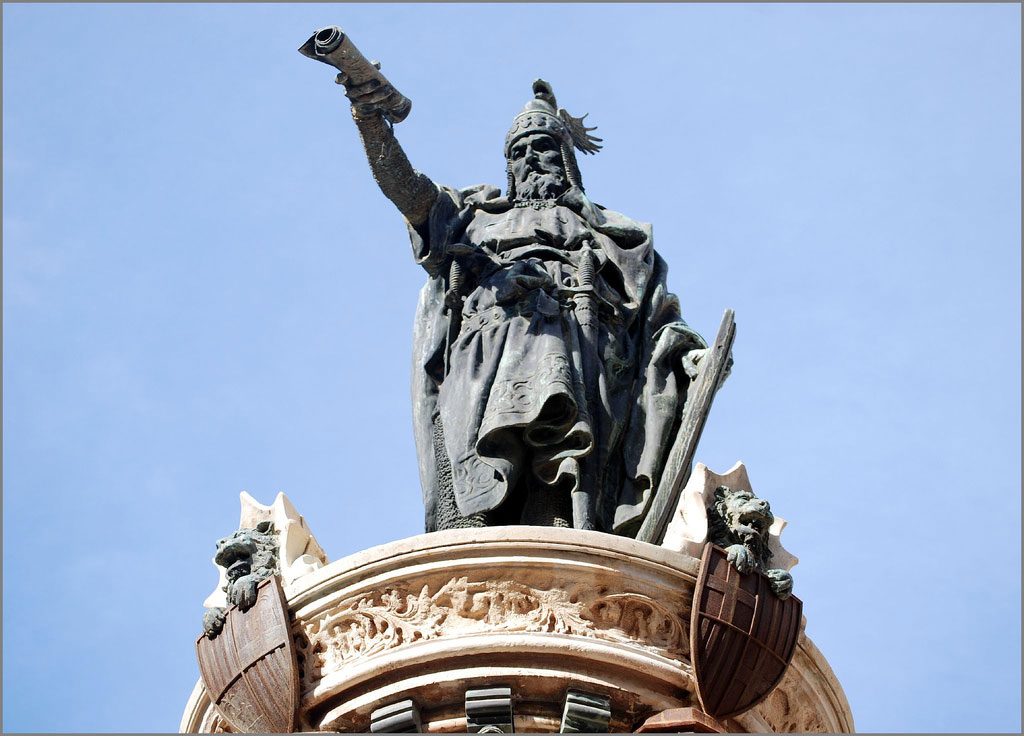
{"points": [[550, 362]]}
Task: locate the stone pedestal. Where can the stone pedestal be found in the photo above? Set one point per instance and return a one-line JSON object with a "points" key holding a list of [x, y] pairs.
{"points": [[538, 610]]}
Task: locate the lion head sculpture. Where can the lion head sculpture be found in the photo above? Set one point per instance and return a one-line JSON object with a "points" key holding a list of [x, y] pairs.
{"points": [[248, 557], [739, 521]]}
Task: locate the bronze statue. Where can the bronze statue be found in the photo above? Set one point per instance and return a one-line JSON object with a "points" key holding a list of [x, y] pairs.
{"points": [[550, 362]]}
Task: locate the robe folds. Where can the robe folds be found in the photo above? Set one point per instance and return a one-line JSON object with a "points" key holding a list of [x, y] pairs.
{"points": [[507, 374]]}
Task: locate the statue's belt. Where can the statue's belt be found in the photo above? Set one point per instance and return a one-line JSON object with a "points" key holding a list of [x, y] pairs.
{"points": [[502, 313], [538, 302]]}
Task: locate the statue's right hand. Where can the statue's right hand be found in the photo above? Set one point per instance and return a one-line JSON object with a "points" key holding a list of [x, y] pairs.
{"points": [[366, 97]]}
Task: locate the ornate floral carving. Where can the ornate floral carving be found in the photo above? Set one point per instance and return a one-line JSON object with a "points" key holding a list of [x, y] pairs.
{"points": [[791, 708], [373, 622], [367, 624], [642, 619]]}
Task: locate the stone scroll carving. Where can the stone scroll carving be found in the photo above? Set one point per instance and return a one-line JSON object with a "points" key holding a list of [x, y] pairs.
{"points": [[375, 621]]}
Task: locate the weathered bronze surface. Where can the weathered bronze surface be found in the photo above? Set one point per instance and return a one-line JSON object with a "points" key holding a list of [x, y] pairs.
{"points": [[742, 635], [739, 522], [250, 670], [550, 361], [676, 472], [248, 556], [331, 46]]}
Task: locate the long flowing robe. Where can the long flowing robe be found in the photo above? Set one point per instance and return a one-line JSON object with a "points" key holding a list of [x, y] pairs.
{"points": [[507, 375]]}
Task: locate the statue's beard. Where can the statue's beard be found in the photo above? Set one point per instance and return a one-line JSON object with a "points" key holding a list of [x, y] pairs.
{"points": [[541, 185]]}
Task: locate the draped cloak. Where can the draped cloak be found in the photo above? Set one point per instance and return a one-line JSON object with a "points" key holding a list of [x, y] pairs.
{"points": [[506, 375]]}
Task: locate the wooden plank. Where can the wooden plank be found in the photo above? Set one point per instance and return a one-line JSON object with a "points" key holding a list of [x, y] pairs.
{"points": [[695, 414]]}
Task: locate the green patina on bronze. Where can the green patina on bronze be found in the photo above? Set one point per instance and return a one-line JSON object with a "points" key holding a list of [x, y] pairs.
{"points": [[739, 522], [248, 556]]}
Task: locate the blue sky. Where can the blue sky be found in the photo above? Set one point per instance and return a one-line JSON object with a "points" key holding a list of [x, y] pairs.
{"points": [[204, 292]]}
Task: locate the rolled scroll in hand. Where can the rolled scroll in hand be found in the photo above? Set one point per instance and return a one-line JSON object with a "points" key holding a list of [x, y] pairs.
{"points": [[331, 46]]}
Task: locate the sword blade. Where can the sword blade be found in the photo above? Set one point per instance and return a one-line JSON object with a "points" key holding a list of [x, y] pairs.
{"points": [[680, 458]]}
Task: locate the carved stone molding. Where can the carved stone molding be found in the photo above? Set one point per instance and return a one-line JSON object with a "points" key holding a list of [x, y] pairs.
{"points": [[363, 625], [541, 610]]}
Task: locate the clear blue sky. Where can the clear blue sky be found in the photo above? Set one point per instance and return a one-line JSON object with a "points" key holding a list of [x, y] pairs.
{"points": [[204, 292]]}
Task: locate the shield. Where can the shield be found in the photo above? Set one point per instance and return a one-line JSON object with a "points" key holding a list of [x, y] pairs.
{"points": [[250, 669], [742, 637]]}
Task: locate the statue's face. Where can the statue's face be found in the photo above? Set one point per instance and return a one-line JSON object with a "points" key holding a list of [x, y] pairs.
{"points": [[537, 167]]}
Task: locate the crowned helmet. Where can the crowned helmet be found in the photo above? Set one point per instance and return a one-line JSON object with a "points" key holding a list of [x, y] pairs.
{"points": [[542, 115]]}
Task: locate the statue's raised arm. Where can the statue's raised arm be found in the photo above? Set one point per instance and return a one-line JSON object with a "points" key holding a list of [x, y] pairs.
{"points": [[376, 104]]}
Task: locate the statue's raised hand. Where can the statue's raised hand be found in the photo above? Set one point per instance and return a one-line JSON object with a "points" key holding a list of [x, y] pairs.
{"points": [[369, 98]]}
